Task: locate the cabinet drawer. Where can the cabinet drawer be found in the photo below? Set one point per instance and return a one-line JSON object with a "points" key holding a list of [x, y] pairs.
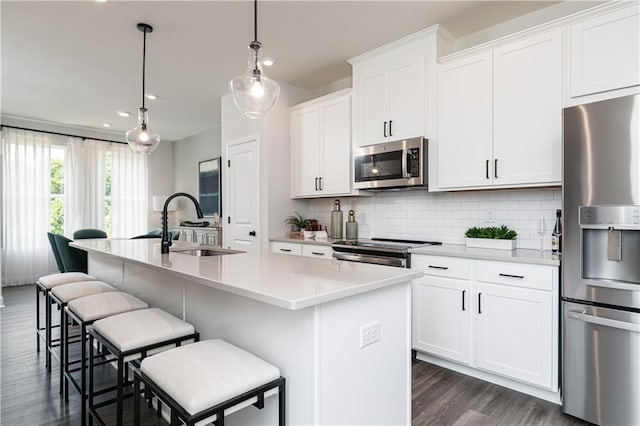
{"points": [[516, 274], [442, 266], [286, 248], [325, 252]]}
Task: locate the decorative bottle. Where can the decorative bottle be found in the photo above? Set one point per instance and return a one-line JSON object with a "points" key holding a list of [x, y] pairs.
{"points": [[351, 226], [556, 235], [336, 221]]}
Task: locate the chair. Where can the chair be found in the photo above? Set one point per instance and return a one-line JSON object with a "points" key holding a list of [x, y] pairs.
{"points": [[73, 259], [56, 253], [86, 233]]}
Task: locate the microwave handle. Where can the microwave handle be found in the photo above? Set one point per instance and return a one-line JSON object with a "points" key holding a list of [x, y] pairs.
{"points": [[404, 164]]}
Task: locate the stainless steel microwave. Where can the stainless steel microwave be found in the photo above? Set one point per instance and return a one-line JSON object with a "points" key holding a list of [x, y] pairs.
{"points": [[396, 164]]}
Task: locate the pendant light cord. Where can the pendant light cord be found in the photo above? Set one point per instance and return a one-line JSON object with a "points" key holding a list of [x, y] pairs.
{"points": [[255, 20], [144, 57]]}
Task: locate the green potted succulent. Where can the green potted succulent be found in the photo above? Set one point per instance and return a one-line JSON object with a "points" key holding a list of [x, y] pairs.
{"points": [[496, 237], [298, 221]]}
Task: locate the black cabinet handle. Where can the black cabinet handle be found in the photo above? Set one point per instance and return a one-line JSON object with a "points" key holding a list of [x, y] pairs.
{"points": [[511, 276], [320, 183], [463, 293], [317, 253], [390, 123], [285, 250], [495, 168], [479, 303], [438, 267], [385, 129], [487, 169], [316, 184]]}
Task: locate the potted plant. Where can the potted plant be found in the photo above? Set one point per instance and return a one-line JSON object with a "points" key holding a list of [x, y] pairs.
{"points": [[298, 221], [500, 237]]}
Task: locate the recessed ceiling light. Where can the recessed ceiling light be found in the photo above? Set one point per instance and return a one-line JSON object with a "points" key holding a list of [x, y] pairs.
{"points": [[123, 114], [267, 62], [151, 96], [106, 125], [101, 1]]}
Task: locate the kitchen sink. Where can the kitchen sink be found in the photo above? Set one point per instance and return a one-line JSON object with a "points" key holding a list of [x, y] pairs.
{"points": [[205, 251]]}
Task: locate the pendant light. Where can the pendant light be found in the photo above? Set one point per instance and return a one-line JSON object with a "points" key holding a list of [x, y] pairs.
{"points": [[140, 138], [254, 93]]}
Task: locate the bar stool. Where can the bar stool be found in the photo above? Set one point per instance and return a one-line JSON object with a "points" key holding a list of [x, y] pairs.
{"points": [[61, 295], [207, 380], [44, 286], [84, 311], [132, 336]]}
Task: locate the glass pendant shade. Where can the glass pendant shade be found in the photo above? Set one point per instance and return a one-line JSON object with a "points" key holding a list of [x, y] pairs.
{"points": [[253, 92], [140, 138]]}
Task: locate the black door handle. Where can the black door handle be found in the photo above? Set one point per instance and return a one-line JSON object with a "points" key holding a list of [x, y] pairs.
{"points": [[390, 131], [320, 183], [252, 233], [463, 292], [495, 168], [385, 129], [487, 169], [316, 184], [479, 303]]}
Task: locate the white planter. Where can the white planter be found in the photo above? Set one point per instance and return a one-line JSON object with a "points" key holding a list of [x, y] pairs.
{"points": [[491, 243]]}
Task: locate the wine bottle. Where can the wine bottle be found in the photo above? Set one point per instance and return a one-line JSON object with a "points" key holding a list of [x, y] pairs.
{"points": [[556, 235]]}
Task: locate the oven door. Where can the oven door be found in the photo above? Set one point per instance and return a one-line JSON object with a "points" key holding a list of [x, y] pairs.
{"points": [[369, 258]]}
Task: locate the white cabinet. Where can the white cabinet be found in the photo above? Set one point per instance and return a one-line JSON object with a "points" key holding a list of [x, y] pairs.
{"points": [[205, 236], [321, 147], [500, 116], [312, 250], [390, 96], [605, 52], [319, 251], [498, 317]]}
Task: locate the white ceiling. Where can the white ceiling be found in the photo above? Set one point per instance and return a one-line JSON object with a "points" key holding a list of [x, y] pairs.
{"points": [[77, 63]]}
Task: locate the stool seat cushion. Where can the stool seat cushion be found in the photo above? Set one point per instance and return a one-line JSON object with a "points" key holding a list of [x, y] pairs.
{"points": [[101, 305], [53, 280], [136, 329], [68, 292], [203, 374]]}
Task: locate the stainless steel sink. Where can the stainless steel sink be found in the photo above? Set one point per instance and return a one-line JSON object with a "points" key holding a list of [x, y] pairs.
{"points": [[204, 251]]}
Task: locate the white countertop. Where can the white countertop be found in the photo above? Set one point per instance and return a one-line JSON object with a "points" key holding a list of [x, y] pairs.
{"points": [[290, 282], [519, 255]]}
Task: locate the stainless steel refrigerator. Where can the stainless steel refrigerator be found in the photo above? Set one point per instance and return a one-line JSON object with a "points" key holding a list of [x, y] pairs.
{"points": [[601, 262]]}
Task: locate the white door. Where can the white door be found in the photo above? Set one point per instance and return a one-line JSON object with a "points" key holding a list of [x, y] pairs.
{"points": [[441, 318], [242, 188]]}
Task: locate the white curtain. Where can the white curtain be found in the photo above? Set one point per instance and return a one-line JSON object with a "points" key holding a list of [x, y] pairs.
{"points": [[128, 192], [26, 179], [84, 185]]}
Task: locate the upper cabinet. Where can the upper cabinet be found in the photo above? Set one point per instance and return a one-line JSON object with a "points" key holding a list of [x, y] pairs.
{"points": [[500, 116], [391, 89], [321, 147], [604, 52]]}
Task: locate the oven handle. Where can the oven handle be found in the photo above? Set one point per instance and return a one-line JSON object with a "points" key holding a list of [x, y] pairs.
{"points": [[389, 261], [622, 325]]}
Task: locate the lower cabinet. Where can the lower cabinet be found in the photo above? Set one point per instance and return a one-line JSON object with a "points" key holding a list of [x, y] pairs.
{"points": [[502, 318], [302, 249]]}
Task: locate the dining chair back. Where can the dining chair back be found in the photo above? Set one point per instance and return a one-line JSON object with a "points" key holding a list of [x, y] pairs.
{"points": [[73, 259], [86, 233], [56, 253]]}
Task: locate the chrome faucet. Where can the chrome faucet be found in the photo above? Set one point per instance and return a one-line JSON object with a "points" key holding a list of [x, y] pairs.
{"points": [[166, 237]]}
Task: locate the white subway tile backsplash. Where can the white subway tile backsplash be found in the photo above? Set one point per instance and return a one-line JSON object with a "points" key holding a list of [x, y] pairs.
{"points": [[445, 216]]}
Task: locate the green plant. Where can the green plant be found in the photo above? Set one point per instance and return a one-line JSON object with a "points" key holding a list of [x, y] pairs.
{"points": [[297, 220], [493, 232]]}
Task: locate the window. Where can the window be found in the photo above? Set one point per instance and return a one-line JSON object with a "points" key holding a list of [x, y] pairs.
{"points": [[56, 191], [107, 192]]}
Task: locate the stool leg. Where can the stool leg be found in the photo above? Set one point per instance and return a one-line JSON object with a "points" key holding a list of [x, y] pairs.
{"points": [[119, 391], [281, 402], [90, 391], [37, 318], [83, 371], [47, 331], [64, 363], [64, 329], [136, 400]]}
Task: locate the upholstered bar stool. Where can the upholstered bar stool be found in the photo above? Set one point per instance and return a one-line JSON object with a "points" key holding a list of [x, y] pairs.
{"points": [[84, 312], [43, 287], [60, 296], [130, 337], [207, 380]]}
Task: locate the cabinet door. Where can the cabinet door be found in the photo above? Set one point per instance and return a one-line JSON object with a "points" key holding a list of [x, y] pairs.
{"points": [[373, 103], [605, 52], [514, 333], [189, 236], [441, 317], [527, 106], [335, 150], [201, 237], [305, 151], [406, 97], [211, 238], [465, 122]]}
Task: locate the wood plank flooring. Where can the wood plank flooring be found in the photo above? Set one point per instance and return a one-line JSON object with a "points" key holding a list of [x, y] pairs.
{"points": [[29, 395]]}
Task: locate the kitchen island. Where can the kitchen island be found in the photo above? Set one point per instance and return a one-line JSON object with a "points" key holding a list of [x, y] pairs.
{"points": [[316, 319]]}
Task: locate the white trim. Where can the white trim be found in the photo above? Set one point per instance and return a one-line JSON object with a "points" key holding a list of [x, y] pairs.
{"points": [[328, 97], [1, 302]]}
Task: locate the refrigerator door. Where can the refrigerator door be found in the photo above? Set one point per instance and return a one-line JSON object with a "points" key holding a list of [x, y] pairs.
{"points": [[601, 379]]}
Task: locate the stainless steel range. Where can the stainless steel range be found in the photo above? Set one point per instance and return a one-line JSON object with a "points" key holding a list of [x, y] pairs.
{"points": [[380, 251]]}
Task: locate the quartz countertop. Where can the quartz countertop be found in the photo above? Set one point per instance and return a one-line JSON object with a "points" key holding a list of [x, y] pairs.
{"points": [[325, 242], [519, 255], [290, 282]]}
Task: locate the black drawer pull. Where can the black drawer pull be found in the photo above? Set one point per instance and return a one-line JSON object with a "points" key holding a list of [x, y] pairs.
{"points": [[438, 267], [317, 253], [285, 250], [385, 129], [511, 276], [463, 293], [479, 303]]}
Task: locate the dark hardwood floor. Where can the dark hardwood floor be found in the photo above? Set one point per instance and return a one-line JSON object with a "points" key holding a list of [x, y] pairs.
{"points": [[29, 395]]}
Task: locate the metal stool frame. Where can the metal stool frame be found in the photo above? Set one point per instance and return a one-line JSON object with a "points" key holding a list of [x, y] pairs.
{"points": [[121, 381], [179, 413]]}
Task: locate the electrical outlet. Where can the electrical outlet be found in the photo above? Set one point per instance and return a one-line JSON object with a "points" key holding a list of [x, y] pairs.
{"points": [[369, 333], [491, 216]]}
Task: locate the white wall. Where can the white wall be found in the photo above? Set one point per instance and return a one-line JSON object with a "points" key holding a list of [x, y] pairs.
{"points": [[187, 153], [445, 216], [159, 179]]}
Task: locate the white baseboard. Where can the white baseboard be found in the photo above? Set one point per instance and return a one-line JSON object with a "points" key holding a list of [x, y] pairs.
{"points": [[547, 395]]}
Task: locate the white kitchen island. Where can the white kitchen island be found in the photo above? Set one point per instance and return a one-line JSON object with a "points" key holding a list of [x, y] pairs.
{"points": [[304, 315]]}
